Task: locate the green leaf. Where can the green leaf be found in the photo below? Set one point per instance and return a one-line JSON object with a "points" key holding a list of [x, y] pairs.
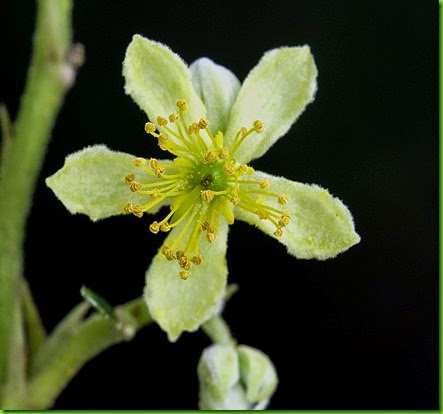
{"points": [[183, 305], [217, 87], [98, 302], [156, 78], [321, 226], [276, 92], [92, 182]]}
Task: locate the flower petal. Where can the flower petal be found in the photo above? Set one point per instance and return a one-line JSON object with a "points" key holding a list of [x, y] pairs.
{"points": [[217, 87], [321, 226], [183, 305], [92, 182], [276, 92], [156, 78]]}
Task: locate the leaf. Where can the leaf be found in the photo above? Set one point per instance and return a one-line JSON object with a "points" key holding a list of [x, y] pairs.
{"points": [[320, 227], [92, 182], [183, 305]]}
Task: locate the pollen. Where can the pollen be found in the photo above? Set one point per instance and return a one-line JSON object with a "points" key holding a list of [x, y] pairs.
{"points": [[185, 275], [149, 127], [203, 185], [129, 178], [207, 195], [283, 199], [182, 105]]}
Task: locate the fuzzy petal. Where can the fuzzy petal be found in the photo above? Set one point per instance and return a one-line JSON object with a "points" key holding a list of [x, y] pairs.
{"points": [[156, 78], [276, 92], [183, 305], [321, 226], [92, 182], [217, 87]]}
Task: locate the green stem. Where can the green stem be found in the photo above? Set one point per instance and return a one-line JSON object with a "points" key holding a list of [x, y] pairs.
{"points": [[218, 331], [49, 77], [90, 338]]}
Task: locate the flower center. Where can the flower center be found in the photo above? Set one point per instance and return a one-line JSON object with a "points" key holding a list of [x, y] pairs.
{"points": [[203, 182]]}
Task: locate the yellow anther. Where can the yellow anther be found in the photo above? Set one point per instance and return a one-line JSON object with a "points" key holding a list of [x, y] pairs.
{"points": [[258, 126], [193, 128], [197, 259], [137, 210], [278, 232], [135, 186], [184, 263], [224, 153], [210, 156], [203, 123], [243, 131], [205, 225], [185, 275], [228, 168], [207, 195], [173, 117], [243, 169], [139, 162], [283, 199], [165, 227], [129, 178], [234, 199], [264, 184], [159, 171], [182, 105], [128, 208], [166, 251], [284, 221], [210, 236], [179, 254], [286, 213], [153, 163], [262, 215], [162, 141], [149, 127], [162, 121], [154, 227]]}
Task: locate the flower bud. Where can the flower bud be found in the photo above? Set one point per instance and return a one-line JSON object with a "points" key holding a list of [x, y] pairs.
{"points": [[235, 378]]}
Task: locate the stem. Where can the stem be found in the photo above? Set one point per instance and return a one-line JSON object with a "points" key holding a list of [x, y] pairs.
{"points": [[218, 331], [93, 336], [49, 77]]}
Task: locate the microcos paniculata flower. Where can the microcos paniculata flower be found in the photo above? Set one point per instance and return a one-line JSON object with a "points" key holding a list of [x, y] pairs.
{"points": [[211, 126]]}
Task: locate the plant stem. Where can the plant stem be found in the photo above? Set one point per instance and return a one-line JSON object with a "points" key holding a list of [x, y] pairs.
{"points": [[49, 77], [91, 337], [218, 331]]}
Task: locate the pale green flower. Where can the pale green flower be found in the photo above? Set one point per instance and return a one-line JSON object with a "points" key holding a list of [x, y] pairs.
{"points": [[213, 126]]}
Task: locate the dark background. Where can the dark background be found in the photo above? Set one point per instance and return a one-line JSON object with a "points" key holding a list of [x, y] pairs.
{"points": [[355, 332]]}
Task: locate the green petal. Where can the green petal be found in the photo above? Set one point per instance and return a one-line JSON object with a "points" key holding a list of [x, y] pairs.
{"points": [[218, 88], [276, 92], [156, 78], [257, 373], [92, 182], [321, 226], [183, 305]]}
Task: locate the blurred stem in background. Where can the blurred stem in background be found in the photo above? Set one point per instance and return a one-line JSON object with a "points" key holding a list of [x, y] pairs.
{"points": [[35, 368]]}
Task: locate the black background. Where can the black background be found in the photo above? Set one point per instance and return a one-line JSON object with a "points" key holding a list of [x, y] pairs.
{"points": [[355, 332]]}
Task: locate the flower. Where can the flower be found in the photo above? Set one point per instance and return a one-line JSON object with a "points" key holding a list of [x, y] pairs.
{"points": [[214, 127], [235, 377]]}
